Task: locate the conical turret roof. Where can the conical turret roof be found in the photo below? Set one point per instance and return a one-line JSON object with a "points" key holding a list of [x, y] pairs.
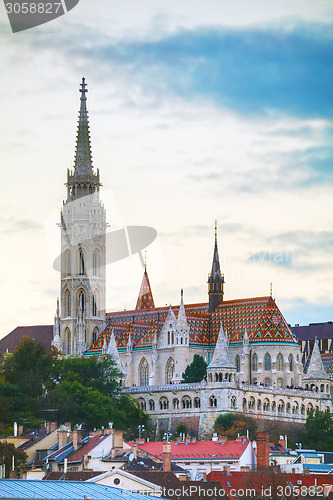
{"points": [[221, 357], [316, 369], [83, 156]]}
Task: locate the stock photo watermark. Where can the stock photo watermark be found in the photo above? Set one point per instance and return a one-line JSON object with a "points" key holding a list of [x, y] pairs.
{"points": [[24, 15]]}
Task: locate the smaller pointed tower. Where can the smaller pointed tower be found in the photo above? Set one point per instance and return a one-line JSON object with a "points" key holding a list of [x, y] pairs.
{"points": [[221, 368], [215, 280], [113, 351], [145, 299], [56, 342], [81, 330], [316, 377]]}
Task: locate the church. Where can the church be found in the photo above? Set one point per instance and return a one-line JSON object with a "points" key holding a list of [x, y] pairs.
{"points": [[254, 359]]}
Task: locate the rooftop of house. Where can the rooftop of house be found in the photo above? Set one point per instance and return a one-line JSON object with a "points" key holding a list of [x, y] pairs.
{"points": [[82, 475], [194, 450], [41, 333]]}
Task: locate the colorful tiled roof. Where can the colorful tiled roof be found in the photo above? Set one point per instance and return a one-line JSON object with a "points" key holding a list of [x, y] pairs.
{"points": [[145, 299]]}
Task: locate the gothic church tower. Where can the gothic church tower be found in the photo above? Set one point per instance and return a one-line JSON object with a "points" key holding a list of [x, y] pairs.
{"points": [[83, 247]]}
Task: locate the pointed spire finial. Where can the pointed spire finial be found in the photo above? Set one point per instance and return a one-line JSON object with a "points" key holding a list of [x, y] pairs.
{"points": [[215, 229], [271, 290], [145, 260]]}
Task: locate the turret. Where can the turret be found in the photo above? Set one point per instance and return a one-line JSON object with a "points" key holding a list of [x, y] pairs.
{"points": [[215, 280]]}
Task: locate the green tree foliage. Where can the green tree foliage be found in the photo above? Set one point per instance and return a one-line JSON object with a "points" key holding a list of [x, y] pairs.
{"points": [[7, 451], [35, 383], [233, 424], [196, 371], [319, 431]]}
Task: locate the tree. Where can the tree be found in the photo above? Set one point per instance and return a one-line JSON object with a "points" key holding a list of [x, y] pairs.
{"points": [[7, 451], [233, 424], [196, 371], [29, 369], [319, 431]]}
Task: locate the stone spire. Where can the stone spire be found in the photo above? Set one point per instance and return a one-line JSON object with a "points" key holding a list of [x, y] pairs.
{"points": [[221, 358], [56, 342], [316, 369], [113, 351], [182, 324], [145, 299], [83, 181], [215, 279]]}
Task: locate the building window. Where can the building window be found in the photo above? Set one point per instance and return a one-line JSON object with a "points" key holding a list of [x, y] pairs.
{"points": [[144, 372], [176, 404], [68, 303], [291, 362], [95, 335], [212, 402], [82, 300], [267, 362], [196, 402], [279, 362], [96, 263], [81, 262], [233, 402], [151, 405], [186, 402], [142, 404], [164, 404], [169, 371], [237, 363], [255, 362], [68, 341]]}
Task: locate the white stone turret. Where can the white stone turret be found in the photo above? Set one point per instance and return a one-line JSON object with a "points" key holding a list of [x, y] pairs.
{"points": [[113, 351], [221, 366], [316, 378]]}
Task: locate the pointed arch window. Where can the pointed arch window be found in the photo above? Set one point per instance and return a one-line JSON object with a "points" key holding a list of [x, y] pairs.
{"points": [[68, 303], [95, 303], [169, 371], [279, 362], [268, 362], [96, 263], [255, 362], [82, 300], [291, 362], [237, 362], [143, 372], [81, 263], [95, 335], [68, 338]]}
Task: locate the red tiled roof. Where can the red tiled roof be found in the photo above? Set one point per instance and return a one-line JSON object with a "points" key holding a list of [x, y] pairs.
{"points": [[198, 449], [82, 475], [169, 482], [91, 443], [41, 333]]}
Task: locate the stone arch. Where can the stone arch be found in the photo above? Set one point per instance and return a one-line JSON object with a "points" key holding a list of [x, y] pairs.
{"points": [[151, 404], [233, 402], [169, 370], [268, 361], [142, 403], [279, 362], [309, 408], [259, 405], [302, 410], [281, 407], [186, 402], [288, 407], [279, 382], [295, 408], [81, 299], [197, 402], [252, 403], [164, 403], [212, 401], [273, 407], [255, 362], [143, 372], [244, 404], [176, 404], [266, 405]]}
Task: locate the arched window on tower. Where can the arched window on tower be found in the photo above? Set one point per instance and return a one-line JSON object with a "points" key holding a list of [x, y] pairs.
{"points": [[143, 372], [237, 362], [68, 338], [95, 303], [267, 362], [81, 300], [68, 303], [95, 334], [169, 370], [255, 362], [68, 266], [279, 362], [81, 263], [96, 263], [291, 362]]}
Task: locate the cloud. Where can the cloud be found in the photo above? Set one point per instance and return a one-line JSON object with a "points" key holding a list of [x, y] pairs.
{"points": [[284, 259], [12, 225]]}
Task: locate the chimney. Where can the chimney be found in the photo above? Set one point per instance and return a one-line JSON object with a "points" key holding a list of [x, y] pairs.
{"points": [[53, 426], [135, 450], [85, 461], [15, 429], [77, 439], [262, 450], [20, 431], [282, 441], [62, 438], [166, 457], [118, 441]]}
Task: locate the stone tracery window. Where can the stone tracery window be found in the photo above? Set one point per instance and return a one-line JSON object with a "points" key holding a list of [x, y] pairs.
{"points": [[268, 362], [291, 362], [279, 362], [169, 370], [237, 362], [143, 372], [255, 362]]}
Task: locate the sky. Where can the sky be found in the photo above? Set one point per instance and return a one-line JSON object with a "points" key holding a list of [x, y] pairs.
{"points": [[199, 110]]}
